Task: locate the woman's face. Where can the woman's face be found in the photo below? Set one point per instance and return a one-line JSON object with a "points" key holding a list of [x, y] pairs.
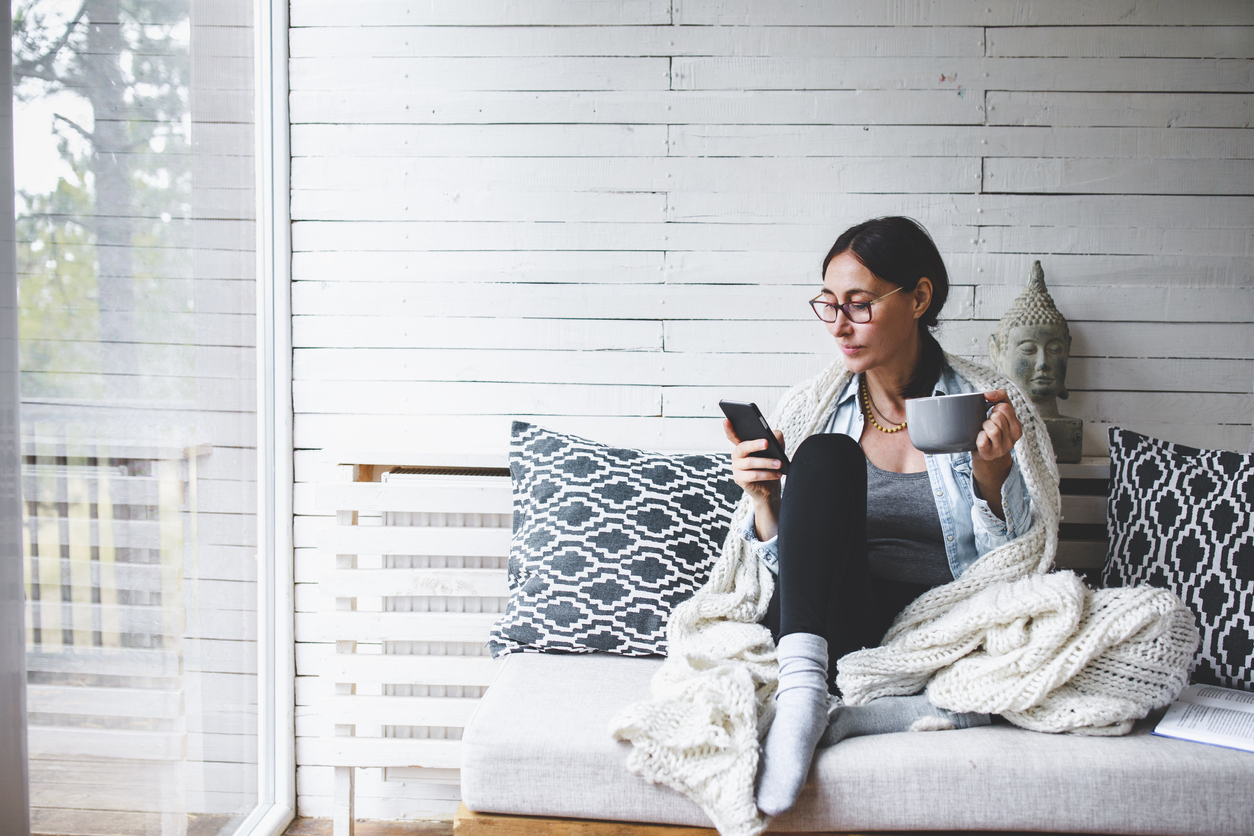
{"points": [[893, 327]]}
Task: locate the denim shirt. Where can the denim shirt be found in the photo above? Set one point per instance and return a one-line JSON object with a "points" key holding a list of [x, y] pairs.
{"points": [[969, 526]]}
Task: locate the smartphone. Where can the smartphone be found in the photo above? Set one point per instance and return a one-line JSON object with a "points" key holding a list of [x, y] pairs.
{"points": [[746, 419]]}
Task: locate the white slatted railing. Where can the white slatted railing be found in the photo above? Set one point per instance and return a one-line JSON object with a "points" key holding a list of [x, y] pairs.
{"points": [[418, 579]]}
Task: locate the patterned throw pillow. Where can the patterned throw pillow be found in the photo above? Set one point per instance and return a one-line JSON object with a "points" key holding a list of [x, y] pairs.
{"points": [[1183, 519], [606, 542]]}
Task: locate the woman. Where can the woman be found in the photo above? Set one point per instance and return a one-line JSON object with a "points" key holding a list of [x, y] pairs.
{"points": [[868, 522]]}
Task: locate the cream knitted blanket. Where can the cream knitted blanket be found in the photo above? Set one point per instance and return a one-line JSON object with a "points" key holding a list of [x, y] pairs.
{"points": [[1005, 638]]}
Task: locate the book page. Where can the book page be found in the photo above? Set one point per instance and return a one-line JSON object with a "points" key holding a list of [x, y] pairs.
{"points": [[1217, 697], [1216, 718]]}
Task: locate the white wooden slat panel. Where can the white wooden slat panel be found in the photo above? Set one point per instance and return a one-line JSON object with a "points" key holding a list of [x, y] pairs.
{"points": [[395, 626], [397, 668], [900, 107], [452, 494], [1133, 117], [1150, 110], [1127, 211], [1122, 41], [617, 206], [483, 266], [694, 401], [986, 268], [479, 206], [160, 360], [1116, 339], [1084, 176], [467, 299], [937, 212], [1086, 268], [1081, 554], [55, 741], [1063, 238], [415, 540], [343, 41], [653, 433], [402, 236], [369, 397], [461, 141], [1130, 304], [1084, 509], [403, 795], [103, 702], [207, 329], [206, 395], [685, 368], [964, 76], [958, 13], [353, 583], [1163, 374], [366, 330], [640, 368], [218, 656], [484, 12], [590, 174], [957, 140], [368, 751], [1235, 437], [100, 661], [484, 73], [402, 711], [1174, 407]]}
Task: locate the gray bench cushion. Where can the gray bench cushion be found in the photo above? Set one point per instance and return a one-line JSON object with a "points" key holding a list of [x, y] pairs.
{"points": [[538, 746]]}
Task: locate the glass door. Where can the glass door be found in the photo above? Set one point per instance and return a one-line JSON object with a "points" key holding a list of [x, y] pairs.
{"points": [[137, 288]]}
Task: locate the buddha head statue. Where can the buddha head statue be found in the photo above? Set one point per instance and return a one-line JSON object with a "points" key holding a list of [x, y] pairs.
{"points": [[1032, 345]]}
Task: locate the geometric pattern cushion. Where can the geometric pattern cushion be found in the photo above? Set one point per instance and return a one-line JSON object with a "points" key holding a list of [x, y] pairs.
{"points": [[1183, 519], [606, 541]]}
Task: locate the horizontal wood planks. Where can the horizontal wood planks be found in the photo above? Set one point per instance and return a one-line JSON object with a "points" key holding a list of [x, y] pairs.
{"points": [[604, 217]]}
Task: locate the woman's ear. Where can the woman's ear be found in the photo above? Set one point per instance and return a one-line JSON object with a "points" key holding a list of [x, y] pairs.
{"points": [[922, 294]]}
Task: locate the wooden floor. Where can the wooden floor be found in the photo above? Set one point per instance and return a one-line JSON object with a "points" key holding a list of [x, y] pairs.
{"points": [[322, 827]]}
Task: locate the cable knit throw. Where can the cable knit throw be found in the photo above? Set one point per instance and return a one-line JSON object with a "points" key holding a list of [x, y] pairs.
{"points": [[1040, 649]]}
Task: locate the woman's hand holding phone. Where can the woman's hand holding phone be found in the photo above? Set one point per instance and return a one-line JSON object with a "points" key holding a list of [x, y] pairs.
{"points": [[759, 477]]}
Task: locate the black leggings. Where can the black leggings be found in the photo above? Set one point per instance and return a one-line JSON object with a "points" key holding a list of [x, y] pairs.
{"points": [[825, 586]]}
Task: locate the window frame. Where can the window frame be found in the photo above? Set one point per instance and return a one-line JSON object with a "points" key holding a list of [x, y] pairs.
{"points": [[276, 665]]}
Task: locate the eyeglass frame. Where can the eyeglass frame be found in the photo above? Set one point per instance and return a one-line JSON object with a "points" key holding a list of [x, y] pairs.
{"points": [[816, 301]]}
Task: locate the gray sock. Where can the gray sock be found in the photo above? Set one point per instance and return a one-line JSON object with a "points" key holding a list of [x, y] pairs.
{"points": [[895, 714], [800, 719]]}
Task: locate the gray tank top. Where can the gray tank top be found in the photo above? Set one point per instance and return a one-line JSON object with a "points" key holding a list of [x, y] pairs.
{"points": [[903, 532]]}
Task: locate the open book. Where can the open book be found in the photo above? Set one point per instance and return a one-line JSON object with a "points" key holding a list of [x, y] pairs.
{"points": [[1210, 714]]}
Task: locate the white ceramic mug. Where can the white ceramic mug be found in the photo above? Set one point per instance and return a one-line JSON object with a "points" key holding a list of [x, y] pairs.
{"points": [[946, 423]]}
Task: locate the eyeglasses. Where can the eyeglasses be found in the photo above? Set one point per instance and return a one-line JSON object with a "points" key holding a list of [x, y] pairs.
{"points": [[858, 312]]}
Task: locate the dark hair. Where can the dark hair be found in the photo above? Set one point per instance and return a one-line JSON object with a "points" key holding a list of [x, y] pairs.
{"points": [[899, 251]]}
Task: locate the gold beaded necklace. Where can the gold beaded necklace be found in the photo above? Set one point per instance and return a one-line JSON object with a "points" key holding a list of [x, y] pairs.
{"points": [[866, 410]]}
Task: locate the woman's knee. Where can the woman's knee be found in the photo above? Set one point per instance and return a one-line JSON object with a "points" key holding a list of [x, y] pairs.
{"points": [[826, 451]]}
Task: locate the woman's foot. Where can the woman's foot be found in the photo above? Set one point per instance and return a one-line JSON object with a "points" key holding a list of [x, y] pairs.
{"points": [[896, 714], [800, 719]]}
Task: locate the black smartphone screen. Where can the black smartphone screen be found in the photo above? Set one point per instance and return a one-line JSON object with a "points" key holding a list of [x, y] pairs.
{"points": [[746, 419]]}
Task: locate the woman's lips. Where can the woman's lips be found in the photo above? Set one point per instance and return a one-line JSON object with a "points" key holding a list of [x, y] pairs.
{"points": [[850, 349]]}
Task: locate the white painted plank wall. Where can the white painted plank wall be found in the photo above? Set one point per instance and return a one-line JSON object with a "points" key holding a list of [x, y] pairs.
{"points": [[604, 216]]}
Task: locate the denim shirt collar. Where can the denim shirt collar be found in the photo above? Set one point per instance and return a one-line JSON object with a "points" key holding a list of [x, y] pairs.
{"points": [[946, 384]]}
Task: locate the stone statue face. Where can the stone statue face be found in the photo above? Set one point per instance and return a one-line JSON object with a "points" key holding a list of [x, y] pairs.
{"points": [[1036, 359]]}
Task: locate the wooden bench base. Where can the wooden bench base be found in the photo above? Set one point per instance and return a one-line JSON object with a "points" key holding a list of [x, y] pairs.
{"points": [[469, 823]]}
